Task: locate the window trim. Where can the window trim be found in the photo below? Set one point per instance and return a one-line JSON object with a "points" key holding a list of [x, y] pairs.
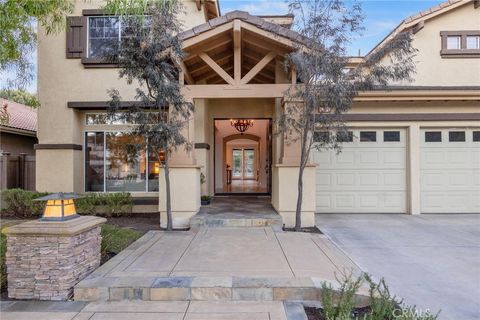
{"points": [[463, 52]]}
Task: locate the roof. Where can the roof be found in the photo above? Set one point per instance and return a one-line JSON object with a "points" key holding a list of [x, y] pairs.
{"points": [[20, 116], [254, 20], [416, 21]]}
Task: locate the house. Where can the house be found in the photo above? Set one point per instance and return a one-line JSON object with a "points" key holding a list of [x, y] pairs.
{"points": [[19, 134], [413, 149]]}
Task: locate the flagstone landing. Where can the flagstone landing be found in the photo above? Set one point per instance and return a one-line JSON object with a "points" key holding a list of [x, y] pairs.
{"points": [[254, 264]]}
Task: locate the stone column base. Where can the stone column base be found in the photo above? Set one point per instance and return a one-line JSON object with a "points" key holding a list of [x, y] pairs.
{"points": [[45, 259], [284, 194], [185, 195]]}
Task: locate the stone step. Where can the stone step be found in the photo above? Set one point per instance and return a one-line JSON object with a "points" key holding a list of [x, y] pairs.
{"points": [[237, 220], [199, 289]]}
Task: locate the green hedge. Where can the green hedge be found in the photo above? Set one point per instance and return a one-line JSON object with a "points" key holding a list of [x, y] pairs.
{"points": [[19, 203]]}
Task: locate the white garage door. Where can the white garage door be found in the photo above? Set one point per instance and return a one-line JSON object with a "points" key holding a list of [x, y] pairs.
{"points": [[368, 176], [450, 171]]}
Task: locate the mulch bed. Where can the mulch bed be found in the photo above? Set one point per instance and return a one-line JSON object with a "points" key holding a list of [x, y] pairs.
{"points": [[142, 222], [317, 313], [306, 230]]}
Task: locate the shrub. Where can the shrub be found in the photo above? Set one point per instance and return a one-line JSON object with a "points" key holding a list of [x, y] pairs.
{"points": [[115, 239], [19, 203], [3, 267], [105, 204], [340, 303]]}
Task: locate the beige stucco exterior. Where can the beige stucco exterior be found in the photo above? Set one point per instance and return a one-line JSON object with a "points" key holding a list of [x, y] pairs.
{"points": [[62, 80]]}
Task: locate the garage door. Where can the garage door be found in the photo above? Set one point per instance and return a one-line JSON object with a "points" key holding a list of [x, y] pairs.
{"points": [[368, 176], [450, 171]]}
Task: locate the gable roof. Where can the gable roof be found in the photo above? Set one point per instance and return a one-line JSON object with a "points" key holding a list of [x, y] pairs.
{"points": [[415, 22], [246, 17], [20, 116]]}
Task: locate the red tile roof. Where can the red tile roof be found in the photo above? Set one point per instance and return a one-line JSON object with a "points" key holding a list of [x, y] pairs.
{"points": [[20, 116]]}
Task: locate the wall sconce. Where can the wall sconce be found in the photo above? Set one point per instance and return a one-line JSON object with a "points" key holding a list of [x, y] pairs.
{"points": [[59, 207]]}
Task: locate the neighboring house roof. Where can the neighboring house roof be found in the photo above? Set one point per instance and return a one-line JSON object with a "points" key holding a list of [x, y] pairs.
{"points": [[20, 117], [416, 21]]}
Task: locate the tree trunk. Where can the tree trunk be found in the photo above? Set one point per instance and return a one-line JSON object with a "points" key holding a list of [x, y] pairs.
{"points": [[303, 163], [167, 191]]}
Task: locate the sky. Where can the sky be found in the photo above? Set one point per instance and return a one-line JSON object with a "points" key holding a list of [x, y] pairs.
{"points": [[381, 17]]}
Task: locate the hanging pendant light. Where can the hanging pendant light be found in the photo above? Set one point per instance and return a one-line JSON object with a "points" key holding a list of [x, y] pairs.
{"points": [[241, 125]]}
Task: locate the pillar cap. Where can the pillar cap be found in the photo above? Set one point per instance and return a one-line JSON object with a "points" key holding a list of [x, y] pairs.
{"points": [[55, 228]]}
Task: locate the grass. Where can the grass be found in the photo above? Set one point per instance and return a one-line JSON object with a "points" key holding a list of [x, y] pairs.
{"points": [[115, 239]]}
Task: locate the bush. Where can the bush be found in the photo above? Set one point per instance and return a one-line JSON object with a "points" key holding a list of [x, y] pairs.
{"points": [[341, 303], [105, 204], [19, 203], [3, 267]]}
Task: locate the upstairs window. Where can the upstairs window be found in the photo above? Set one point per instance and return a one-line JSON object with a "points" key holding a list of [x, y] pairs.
{"points": [[103, 36], [461, 44]]}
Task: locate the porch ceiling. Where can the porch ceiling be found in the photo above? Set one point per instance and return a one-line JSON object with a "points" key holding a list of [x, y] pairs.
{"points": [[211, 54]]}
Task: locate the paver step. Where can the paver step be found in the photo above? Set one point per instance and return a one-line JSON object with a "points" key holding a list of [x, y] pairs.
{"points": [[199, 289], [237, 220]]}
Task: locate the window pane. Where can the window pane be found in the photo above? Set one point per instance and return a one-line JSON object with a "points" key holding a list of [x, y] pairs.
{"points": [[391, 136], [368, 136], [433, 136], [476, 136], [94, 164], [153, 169], [345, 136], [125, 162], [473, 42], [237, 163], [453, 42], [103, 33], [249, 156], [456, 136], [321, 136]]}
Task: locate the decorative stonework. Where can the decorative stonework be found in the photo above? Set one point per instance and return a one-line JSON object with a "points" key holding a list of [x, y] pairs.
{"points": [[46, 259]]}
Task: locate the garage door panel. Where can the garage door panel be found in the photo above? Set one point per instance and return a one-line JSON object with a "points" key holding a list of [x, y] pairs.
{"points": [[361, 202], [450, 174], [380, 180]]}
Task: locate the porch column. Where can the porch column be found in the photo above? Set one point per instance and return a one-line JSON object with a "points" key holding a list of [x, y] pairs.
{"points": [[285, 182], [184, 183]]}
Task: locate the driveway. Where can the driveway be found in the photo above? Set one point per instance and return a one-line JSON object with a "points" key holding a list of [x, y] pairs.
{"points": [[433, 261]]}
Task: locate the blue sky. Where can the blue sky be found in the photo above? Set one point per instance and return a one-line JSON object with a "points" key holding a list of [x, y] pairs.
{"points": [[382, 16]]}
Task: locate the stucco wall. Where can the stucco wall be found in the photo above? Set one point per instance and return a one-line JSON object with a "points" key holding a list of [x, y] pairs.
{"points": [[431, 68]]}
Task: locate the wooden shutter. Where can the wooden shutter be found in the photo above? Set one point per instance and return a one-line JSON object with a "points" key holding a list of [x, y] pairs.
{"points": [[76, 37]]}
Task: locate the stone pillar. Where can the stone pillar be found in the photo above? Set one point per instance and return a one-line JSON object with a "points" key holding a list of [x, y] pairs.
{"points": [[45, 259]]}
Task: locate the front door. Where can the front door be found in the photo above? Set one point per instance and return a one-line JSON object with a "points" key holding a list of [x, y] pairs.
{"points": [[244, 164]]}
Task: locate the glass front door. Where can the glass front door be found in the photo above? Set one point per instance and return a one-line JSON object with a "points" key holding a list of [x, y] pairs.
{"points": [[243, 163]]}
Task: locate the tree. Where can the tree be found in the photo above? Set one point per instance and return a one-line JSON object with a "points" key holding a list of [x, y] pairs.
{"points": [[327, 88], [18, 33], [20, 96], [146, 57]]}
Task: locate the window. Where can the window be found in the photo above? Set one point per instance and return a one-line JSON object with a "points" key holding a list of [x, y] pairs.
{"points": [[456, 136], [321, 136], [460, 43], [433, 136], [345, 136], [391, 136], [473, 42], [103, 36], [476, 136], [117, 162], [368, 136], [453, 42]]}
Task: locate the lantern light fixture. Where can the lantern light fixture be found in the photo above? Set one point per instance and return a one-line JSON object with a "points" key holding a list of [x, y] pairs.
{"points": [[59, 207], [241, 125]]}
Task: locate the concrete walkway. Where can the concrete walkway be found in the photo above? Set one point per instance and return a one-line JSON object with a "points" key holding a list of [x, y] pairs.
{"points": [[432, 261], [219, 264], [146, 310]]}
